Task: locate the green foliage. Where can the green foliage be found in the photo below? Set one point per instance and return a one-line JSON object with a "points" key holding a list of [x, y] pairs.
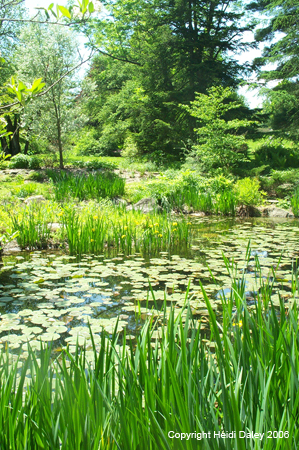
{"points": [[276, 178], [162, 53], [276, 155], [219, 142], [239, 384], [22, 161], [87, 144], [94, 164], [32, 224], [26, 190], [94, 186], [37, 176], [248, 192], [295, 203]]}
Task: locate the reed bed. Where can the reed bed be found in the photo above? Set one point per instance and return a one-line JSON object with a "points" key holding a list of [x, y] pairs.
{"points": [[32, 225], [93, 228], [124, 231], [94, 186], [190, 197], [141, 396]]}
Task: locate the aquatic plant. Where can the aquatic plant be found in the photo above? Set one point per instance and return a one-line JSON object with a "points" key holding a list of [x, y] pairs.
{"points": [[225, 203], [91, 232], [168, 388], [94, 186], [32, 223], [295, 203]]}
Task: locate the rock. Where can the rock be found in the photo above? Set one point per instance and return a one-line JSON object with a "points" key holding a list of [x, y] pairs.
{"points": [[145, 205], [35, 199], [187, 209], [55, 226], [11, 247], [248, 211], [273, 211], [264, 211], [119, 201]]}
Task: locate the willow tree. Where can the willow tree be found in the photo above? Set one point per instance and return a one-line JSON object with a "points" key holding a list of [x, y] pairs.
{"points": [[49, 52]]}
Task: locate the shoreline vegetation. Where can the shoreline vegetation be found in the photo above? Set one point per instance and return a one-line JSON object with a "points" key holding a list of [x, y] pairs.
{"points": [[85, 212]]}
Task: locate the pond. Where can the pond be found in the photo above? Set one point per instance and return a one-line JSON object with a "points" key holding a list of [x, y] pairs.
{"points": [[53, 297]]}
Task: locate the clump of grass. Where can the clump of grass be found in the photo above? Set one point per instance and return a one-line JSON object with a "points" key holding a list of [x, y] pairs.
{"points": [[225, 203], [139, 396], [94, 186], [92, 231], [32, 223], [295, 203]]}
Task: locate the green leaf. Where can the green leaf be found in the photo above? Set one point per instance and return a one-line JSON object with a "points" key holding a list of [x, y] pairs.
{"points": [[91, 7], [36, 84], [51, 6], [64, 11], [22, 86]]}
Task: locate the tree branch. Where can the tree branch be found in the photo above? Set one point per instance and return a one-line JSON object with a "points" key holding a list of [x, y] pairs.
{"points": [[52, 85]]}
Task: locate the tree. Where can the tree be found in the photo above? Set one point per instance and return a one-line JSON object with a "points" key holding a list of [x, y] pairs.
{"points": [[11, 19], [282, 52], [172, 49], [49, 52], [220, 141]]}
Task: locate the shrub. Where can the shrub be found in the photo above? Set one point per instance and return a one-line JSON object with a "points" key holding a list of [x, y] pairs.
{"points": [[219, 143], [37, 176], [247, 192], [276, 155], [26, 190], [34, 162], [94, 165], [20, 161], [88, 145]]}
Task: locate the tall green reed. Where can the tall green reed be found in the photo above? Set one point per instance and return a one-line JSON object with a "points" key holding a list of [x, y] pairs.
{"points": [[295, 203], [94, 186], [92, 231], [32, 223], [137, 396]]}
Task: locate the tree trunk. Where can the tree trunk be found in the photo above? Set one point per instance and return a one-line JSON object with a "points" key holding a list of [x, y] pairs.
{"points": [[61, 166], [14, 138]]}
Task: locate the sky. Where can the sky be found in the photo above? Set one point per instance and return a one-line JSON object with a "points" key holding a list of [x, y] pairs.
{"points": [[252, 96]]}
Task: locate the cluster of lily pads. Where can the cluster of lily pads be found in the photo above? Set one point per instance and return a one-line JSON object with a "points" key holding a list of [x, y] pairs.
{"points": [[53, 298]]}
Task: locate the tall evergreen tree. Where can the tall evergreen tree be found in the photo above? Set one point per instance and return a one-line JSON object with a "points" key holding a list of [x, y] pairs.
{"points": [[282, 37], [173, 49]]}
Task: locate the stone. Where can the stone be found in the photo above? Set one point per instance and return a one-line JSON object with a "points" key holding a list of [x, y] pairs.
{"points": [[35, 199], [273, 211], [11, 247], [145, 205], [119, 201], [55, 226]]}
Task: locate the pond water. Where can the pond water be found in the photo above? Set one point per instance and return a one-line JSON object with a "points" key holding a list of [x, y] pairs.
{"points": [[53, 297]]}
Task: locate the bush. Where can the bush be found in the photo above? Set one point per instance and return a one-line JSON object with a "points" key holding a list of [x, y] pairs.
{"points": [[276, 155], [34, 162], [21, 161], [88, 145], [94, 165], [247, 192]]}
